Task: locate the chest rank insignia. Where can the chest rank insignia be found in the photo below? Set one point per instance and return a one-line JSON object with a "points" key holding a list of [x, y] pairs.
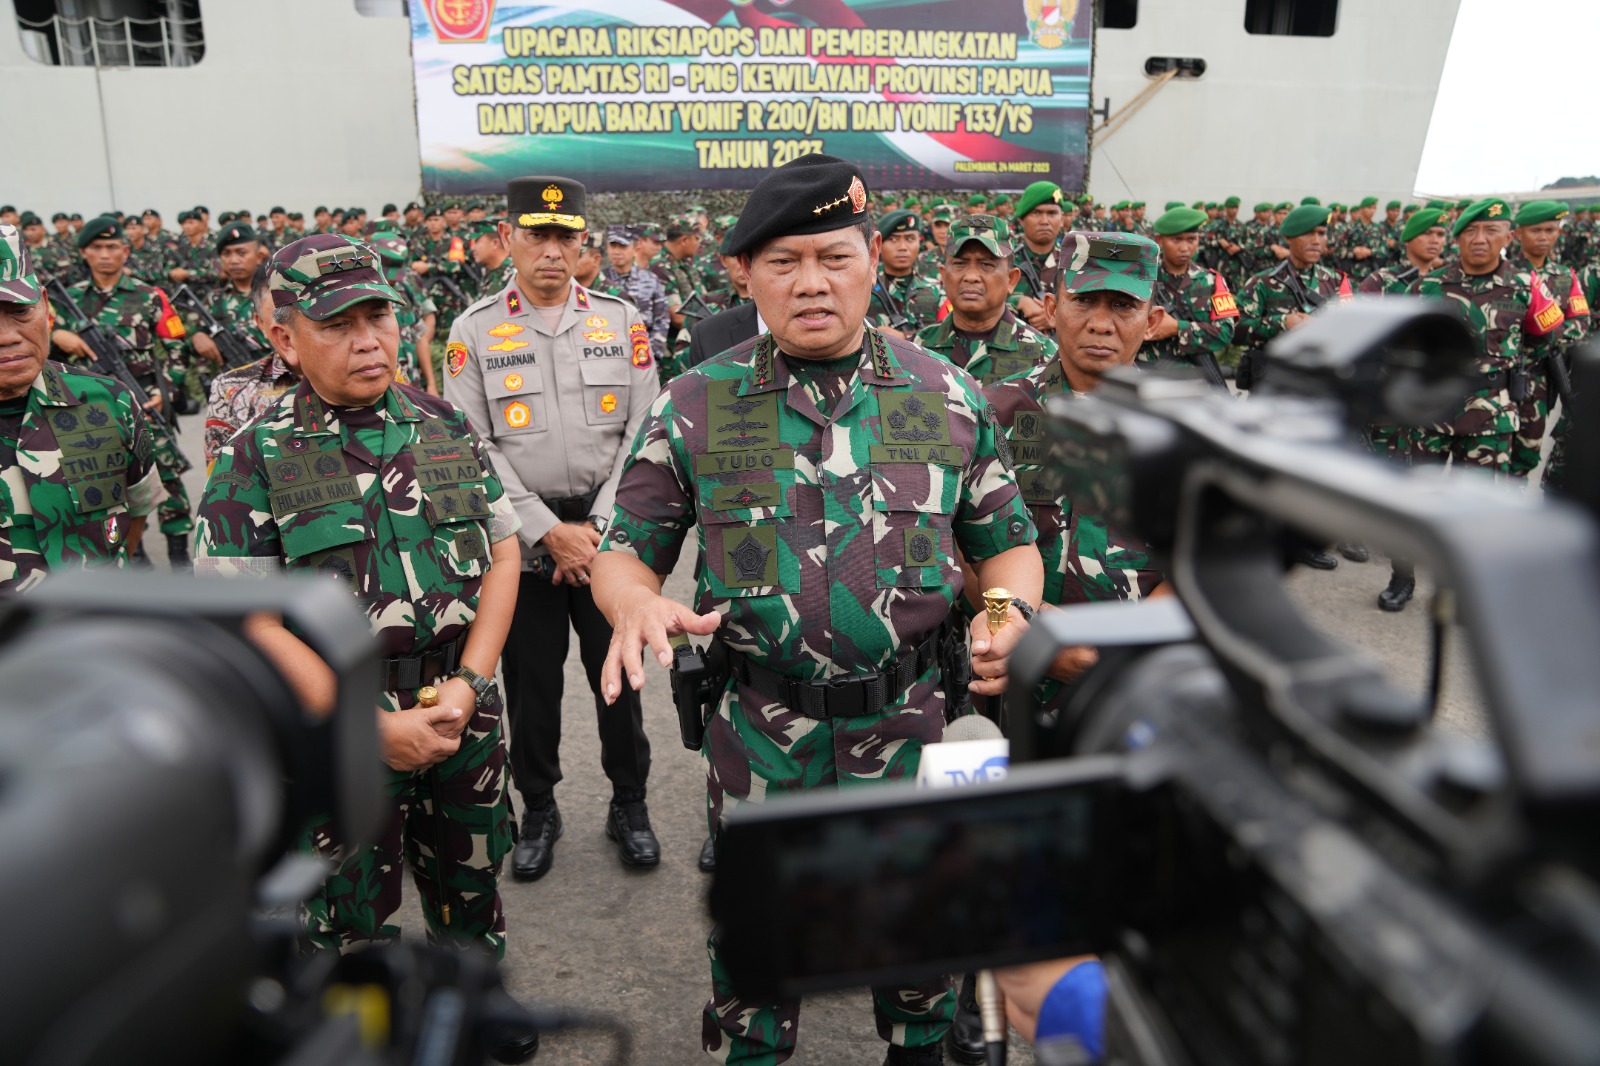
{"points": [[903, 424], [919, 548], [66, 421], [749, 558], [97, 417], [746, 498], [287, 471]]}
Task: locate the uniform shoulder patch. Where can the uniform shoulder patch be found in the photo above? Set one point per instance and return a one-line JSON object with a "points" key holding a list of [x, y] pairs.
{"points": [[455, 357]]}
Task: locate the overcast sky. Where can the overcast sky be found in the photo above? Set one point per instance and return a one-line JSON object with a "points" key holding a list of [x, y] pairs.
{"points": [[1515, 101]]}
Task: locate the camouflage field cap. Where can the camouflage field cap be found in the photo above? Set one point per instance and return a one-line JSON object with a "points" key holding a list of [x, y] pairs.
{"points": [[390, 246], [990, 231], [619, 235], [18, 284], [484, 227], [943, 213], [1109, 262], [325, 273]]}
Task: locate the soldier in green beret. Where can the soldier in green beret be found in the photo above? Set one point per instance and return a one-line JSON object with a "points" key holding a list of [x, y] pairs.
{"points": [[1284, 295], [1536, 233], [982, 335], [977, 203], [1361, 244], [1422, 243], [1200, 311], [902, 300], [1002, 207], [1040, 220], [1390, 227], [1259, 233], [834, 679], [1222, 240]]}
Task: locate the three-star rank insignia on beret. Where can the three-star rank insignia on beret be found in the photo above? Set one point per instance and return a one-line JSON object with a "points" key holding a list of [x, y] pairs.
{"points": [[455, 357]]}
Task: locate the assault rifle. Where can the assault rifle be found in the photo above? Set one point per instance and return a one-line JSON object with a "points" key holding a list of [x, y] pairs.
{"points": [[237, 349], [899, 317], [449, 285], [109, 354]]}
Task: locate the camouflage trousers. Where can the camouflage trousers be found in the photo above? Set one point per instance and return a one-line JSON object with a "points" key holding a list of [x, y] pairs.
{"points": [[174, 512], [1533, 415], [754, 749], [1489, 451], [470, 829]]}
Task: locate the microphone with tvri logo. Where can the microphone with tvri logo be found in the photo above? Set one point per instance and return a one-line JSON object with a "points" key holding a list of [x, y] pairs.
{"points": [[973, 751]]}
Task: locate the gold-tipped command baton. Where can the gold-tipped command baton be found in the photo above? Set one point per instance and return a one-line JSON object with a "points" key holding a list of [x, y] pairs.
{"points": [[997, 602]]}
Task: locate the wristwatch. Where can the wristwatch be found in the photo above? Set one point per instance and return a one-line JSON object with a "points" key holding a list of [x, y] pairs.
{"points": [[479, 684], [600, 524], [1024, 608]]}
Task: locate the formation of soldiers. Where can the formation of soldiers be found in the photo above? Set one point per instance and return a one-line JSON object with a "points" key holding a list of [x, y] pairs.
{"points": [[508, 411]]}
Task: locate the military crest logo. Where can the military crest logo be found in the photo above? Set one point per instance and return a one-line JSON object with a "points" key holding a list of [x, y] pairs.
{"points": [[460, 21], [1050, 21]]}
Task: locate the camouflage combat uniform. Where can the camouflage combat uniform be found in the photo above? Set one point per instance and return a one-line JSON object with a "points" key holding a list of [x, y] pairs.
{"points": [[1014, 347], [645, 291], [418, 306], [140, 315], [1268, 298], [1206, 313], [496, 280], [400, 502], [239, 396], [150, 263], [908, 296], [682, 282], [1493, 306], [830, 501], [75, 469], [1358, 234], [200, 260], [1563, 333], [445, 256], [1038, 272]]}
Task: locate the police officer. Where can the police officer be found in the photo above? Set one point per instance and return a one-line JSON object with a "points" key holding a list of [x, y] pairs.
{"points": [[384, 488], [833, 472], [76, 473], [557, 379]]}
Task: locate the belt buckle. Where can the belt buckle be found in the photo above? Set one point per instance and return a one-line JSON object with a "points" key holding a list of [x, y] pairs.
{"points": [[840, 683]]}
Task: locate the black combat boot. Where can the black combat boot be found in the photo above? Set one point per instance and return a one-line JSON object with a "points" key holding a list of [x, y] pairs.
{"points": [[1402, 584], [1316, 559], [178, 551], [541, 828], [1354, 550], [914, 1056], [628, 825], [708, 855], [966, 1028]]}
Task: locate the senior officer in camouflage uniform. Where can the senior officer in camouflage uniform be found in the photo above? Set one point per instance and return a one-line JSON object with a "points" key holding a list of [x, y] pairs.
{"points": [[834, 474], [557, 379], [385, 488], [77, 477], [902, 301], [1200, 311], [982, 335], [141, 315]]}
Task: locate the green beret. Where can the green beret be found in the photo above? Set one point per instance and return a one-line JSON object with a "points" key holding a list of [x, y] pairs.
{"points": [[1421, 223], [1200, 205], [1392, 205], [1412, 209], [1335, 207], [1000, 200], [1536, 211], [1263, 206], [1310, 201], [1368, 201], [897, 222], [238, 232], [484, 227], [977, 199], [103, 228], [1492, 209], [1303, 220], [1462, 205], [1285, 206], [1174, 203], [1180, 220], [1232, 201], [1136, 204], [1440, 205], [912, 205], [1120, 205], [1566, 208], [1037, 194]]}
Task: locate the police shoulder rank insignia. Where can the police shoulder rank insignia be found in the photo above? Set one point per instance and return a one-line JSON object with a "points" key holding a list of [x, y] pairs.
{"points": [[455, 357], [513, 300], [640, 338]]}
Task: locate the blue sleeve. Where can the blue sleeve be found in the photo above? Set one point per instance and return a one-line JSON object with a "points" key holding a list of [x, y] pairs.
{"points": [[1075, 1009]]}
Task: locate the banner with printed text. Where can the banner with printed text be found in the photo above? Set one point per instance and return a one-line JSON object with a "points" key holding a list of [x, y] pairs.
{"points": [[681, 94]]}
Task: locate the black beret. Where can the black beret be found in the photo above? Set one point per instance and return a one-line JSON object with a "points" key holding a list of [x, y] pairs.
{"points": [[811, 194], [432, 211], [60, 216], [150, 212], [897, 222], [277, 211], [103, 228], [201, 209], [185, 216], [237, 233], [76, 217], [387, 208]]}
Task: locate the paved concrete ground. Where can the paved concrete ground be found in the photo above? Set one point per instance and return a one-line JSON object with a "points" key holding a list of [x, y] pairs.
{"points": [[592, 933]]}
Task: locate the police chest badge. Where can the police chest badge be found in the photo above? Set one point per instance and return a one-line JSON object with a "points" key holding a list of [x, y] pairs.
{"points": [[455, 357], [640, 338]]}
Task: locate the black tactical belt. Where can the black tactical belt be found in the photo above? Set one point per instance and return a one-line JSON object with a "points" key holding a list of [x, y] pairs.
{"points": [[846, 696], [406, 672], [571, 508]]}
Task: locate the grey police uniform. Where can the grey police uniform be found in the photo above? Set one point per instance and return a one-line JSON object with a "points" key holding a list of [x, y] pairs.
{"points": [[556, 410]]}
